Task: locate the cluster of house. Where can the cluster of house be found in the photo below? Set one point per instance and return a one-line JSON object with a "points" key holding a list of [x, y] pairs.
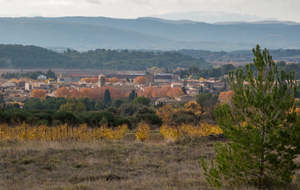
{"points": [[19, 92]]}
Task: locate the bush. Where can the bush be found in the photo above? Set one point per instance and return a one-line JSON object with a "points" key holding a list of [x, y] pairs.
{"points": [[56, 122], [65, 117], [121, 121], [141, 100], [32, 120], [129, 109], [44, 116], [94, 118], [150, 118], [184, 119], [18, 116], [43, 122]]}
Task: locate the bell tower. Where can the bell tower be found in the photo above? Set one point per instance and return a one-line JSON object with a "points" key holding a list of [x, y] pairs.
{"points": [[101, 81]]}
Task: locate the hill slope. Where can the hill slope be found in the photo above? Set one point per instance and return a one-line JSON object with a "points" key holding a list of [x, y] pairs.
{"points": [[18, 56], [45, 33]]}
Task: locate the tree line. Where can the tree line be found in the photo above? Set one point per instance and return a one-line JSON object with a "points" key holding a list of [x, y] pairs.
{"points": [[220, 71], [19, 56]]}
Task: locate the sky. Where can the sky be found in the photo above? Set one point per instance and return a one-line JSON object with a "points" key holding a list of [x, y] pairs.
{"points": [[286, 10]]}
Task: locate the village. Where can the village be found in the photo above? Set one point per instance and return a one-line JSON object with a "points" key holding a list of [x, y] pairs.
{"points": [[17, 91]]}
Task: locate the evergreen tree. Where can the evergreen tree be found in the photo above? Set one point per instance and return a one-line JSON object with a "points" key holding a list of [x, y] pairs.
{"points": [[183, 90], [263, 131], [201, 89], [107, 97], [132, 96]]}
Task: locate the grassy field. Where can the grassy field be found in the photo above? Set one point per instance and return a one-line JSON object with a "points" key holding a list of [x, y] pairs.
{"points": [[124, 164], [105, 164]]}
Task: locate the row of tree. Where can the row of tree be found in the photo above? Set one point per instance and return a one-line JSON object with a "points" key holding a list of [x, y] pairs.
{"points": [[220, 71], [18, 56]]}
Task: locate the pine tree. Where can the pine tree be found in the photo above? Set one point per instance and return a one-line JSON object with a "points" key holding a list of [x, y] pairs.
{"points": [[263, 132], [107, 97]]}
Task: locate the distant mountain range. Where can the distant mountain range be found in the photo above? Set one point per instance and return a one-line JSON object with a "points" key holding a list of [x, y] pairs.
{"points": [[84, 33], [209, 16]]}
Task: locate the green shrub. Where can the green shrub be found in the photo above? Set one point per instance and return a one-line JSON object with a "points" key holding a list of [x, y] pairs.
{"points": [[121, 121], [43, 122], [184, 119], [56, 122], [150, 118], [94, 118], [65, 117]]}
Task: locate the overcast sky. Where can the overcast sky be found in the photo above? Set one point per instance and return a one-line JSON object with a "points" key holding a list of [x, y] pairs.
{"points": [[279, 9]]}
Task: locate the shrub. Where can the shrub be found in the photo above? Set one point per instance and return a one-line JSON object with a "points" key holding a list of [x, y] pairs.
{"points": [[65, 117], [94, 118], [121, 121], [43, 122], [143, 131], [184, 119], [150, 118]]}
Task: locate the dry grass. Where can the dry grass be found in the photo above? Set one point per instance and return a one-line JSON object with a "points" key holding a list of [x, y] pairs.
{"points": [[124, 164], [105, 164]]}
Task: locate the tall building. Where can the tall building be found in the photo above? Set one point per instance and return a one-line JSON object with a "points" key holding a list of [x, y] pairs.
{"points": [[149, 79], [101, 81]]}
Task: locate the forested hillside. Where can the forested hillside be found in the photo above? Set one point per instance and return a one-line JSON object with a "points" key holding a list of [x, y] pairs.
{"points": [[290, 55], [18, 56]]}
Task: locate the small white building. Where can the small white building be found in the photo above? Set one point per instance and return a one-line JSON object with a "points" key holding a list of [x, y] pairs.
{"points": [[43, 77]]}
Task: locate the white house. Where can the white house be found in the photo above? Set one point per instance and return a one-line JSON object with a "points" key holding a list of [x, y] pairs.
{"points": [[42, 77]]}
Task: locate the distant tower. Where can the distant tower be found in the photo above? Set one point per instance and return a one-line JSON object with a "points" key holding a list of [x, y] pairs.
{"points": [[149, 78], [101, 81]]}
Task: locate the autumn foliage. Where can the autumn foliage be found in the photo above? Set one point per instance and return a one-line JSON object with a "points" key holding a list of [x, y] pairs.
{"points": [[62, 132], [165, 91], [226, 97], [140, 80], [143, 131], [165, 112], [16, 80], [204, 129], [113, 80], [92, 93], [38, 93], [63, 92], [90, 80]]}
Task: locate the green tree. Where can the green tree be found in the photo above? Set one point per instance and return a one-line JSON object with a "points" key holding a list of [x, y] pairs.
{"points": [[183, 90], [118, 102], [132, 95], [261, 152], [51, 74], [99, 106], [73, 106], [208, 102], [107, 97], [141, 100], [192, 70]]}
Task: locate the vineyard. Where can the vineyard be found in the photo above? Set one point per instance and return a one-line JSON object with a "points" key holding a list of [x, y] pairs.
{"points": [[82, 132]]}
